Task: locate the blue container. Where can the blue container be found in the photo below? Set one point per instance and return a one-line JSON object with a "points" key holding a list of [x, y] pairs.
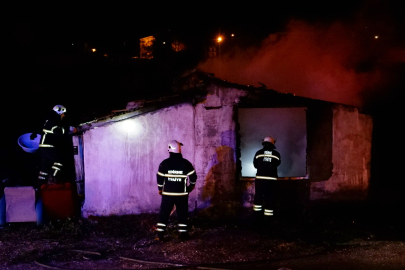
{"points": [[39, 209], [28, 145], [3, 210]]}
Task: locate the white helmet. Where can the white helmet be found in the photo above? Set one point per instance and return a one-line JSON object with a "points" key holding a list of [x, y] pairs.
{"points": [[269, 139], [174, 146], [59, 109]]}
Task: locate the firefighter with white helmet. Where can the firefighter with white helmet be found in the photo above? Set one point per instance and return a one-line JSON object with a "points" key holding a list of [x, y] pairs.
{"points": [[176, 178], [50, 151], [266, 161]]}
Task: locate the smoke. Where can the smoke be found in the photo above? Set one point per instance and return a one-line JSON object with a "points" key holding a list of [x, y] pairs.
{"points": [[344, 61]]}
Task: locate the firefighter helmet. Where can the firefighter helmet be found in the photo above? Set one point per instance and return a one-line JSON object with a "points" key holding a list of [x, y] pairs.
{"points": [[269, 139], [59, 109], [174, 146]]}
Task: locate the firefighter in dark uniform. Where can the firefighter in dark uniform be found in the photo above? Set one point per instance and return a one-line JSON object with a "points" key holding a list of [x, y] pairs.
{"points": [[49, 147], [172, 177], [266, 161]]}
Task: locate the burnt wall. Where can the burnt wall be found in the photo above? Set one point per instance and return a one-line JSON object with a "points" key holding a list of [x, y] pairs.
{"points": [[319, 136]]}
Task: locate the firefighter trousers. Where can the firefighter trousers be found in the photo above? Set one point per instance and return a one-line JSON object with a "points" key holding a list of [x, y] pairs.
{"points": [[51, 164], [265, 197], [166, 207]]}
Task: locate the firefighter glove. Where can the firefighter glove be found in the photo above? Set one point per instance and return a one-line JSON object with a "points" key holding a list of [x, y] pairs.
{"points": [[190, 188]]}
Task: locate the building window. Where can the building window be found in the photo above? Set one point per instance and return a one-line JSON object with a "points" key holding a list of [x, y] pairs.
{"points": [[286, 125]]}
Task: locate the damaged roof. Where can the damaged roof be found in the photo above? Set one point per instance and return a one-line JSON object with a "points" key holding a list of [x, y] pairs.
{"points": [[193, 88]]}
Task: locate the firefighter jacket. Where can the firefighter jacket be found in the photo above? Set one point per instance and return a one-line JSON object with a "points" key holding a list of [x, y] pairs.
{"points": [[173, 174], [53, 131], [266, 161]]}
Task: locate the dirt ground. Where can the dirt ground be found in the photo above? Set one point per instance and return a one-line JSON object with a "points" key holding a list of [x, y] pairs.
{"points": [[128, 242]]}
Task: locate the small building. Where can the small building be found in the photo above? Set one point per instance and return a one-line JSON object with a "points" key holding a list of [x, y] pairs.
{"points": [[325, 148]]}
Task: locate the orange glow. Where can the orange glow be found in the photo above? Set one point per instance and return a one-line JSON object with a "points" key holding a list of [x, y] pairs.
{"points": [[93, 50], [232, 35], [146, 49], [219, 39], [178, 46], [376, 37]]}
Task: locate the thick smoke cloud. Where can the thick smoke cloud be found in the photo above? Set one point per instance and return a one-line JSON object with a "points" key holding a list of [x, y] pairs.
{"points": [[345, 61]]}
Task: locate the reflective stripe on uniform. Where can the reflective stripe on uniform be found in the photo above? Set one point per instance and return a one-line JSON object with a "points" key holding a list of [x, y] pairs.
{"points": [[172, 175], [267, 155], [193, 171], [182, 227], [160, 227], [174, 193], [268, 212], [176, 175], [257, 207], [42, 175], [47, 131], [45, 145], [266, 177]]}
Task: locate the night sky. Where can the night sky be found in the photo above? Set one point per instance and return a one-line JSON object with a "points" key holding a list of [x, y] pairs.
{"points": [[321, 46], [326, 51]]}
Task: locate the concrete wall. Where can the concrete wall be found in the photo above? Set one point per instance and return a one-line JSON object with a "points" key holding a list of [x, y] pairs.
{"points": [[121, 160], [216, 150], [351, 156]]}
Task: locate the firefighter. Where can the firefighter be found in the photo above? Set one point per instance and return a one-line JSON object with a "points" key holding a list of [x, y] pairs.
{"points": [[172, 177], [266, 161], [50, 147]]}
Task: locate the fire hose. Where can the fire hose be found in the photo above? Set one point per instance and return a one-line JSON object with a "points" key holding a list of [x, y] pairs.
{"points": [[94, 255]]}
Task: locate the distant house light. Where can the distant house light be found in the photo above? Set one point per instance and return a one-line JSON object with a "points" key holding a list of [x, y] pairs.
{"points": [[93, 50], [146, 47]]}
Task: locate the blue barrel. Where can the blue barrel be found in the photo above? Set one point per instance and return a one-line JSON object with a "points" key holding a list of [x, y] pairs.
{"points": [[39, 211], [3, 210]]}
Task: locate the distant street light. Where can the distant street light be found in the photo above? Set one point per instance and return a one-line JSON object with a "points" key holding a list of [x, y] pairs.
{"points": [[219, 40]]}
